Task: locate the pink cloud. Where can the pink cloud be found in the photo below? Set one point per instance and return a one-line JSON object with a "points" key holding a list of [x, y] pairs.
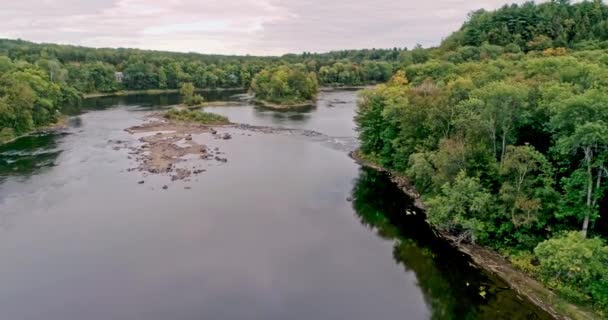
{"points": [[240, 27]]}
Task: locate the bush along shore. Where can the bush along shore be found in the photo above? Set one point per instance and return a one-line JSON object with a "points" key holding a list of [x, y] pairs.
{"points": [[198, 116]]}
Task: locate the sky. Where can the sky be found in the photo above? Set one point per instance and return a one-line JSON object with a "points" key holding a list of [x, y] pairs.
{"points": [[256, 27]]}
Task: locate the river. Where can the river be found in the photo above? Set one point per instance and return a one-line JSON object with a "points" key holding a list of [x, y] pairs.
{"points": [[289, 228]]}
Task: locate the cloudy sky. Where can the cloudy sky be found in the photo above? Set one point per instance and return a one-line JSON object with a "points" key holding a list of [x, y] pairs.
{"points": [[259, 27]]}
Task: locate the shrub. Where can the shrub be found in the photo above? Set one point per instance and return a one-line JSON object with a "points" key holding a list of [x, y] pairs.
{"points": [[577, 267], [188, 95], [6, 134], [196, 116], [525, 261]]}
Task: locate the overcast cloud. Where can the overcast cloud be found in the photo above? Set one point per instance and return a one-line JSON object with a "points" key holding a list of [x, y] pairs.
{"points": [[260, 27]]}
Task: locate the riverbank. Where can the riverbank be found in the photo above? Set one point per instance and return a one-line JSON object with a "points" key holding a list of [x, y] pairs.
{"points": [[287, 106], [61, 124], [149, 92], [213, 104], [165, 91], [491, 261], [346, 88]]}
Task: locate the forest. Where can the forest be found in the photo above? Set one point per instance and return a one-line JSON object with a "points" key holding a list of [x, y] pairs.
{"points": [[506, 139], [36, 80]]}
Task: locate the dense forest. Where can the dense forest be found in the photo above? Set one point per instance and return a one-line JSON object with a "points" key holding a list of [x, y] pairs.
{"points": [[507, 139]]}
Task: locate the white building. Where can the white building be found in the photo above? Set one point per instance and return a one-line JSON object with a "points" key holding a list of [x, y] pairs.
{"points": [[119, 76]]}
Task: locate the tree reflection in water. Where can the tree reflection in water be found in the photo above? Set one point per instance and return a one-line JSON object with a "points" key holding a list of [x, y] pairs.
{"points": [[28, 155], [452, 287]]}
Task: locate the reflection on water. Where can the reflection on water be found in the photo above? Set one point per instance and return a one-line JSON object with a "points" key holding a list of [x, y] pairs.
{"points": [[146, 101], [28, 155], [452, 288], [333, 115]]}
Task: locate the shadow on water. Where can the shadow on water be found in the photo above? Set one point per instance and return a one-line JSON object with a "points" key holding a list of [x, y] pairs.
{"points": [[452, 287], [146, 101], [298, 109], [300, 115], [28, 155]]}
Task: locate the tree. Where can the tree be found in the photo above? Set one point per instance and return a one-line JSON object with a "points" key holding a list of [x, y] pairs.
{"points": [[162, 78], [100, 77], [582, 135], [592, 140], [463, 207], [577, 267], [188, 96], [502, 108], [288, 85], [527, 187]]}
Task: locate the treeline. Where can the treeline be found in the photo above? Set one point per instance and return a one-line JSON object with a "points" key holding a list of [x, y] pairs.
{"points": [[94, 70], [508, 149]]}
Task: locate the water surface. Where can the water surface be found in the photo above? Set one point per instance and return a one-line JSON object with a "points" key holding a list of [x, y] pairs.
{"points": [[268, 235]]}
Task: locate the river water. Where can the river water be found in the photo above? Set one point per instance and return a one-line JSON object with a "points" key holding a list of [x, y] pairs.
{"points": [[271, 234]]}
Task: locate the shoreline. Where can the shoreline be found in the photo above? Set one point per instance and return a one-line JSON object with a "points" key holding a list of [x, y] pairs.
{"points": [[491, 261], [121, 93], [348, 88], [61, 124], [150, 92], [211, 104], [284, 107]]}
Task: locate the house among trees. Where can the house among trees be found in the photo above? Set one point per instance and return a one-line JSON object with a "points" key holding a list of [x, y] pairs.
{"points": [[119, 76]]}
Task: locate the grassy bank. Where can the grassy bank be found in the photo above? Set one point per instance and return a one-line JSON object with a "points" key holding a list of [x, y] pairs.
{"points": [[201, 117]]}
